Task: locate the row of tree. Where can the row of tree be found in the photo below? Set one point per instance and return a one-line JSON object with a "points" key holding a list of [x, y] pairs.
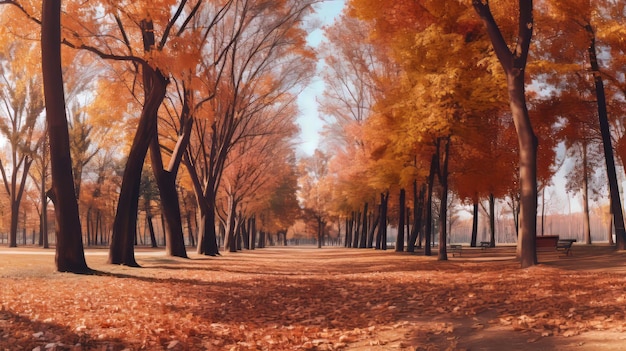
{"points": [[203, 90], [425, 96], [431, 97]]}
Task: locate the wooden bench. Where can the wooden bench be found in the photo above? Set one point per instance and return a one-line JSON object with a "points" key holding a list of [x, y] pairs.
{"points": [[565, 245], [485, 244], [547, 241], [455, 249]]}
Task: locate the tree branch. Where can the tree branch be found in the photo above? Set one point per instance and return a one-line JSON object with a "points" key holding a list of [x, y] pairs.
{"points": [[505, 56]]}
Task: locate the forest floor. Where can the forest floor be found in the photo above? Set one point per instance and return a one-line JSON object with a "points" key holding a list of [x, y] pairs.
{"points": [[304, 298]]}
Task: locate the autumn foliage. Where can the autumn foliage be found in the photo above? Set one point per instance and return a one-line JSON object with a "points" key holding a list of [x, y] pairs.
{"points": [[428, 107]]}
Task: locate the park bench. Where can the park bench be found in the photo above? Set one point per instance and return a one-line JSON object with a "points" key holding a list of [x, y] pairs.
{"points": [[565, 245], [485, 244], [546, 242], [455, 249]]}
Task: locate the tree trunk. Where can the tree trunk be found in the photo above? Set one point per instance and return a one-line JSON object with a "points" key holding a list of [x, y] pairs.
{"points": [[231, 240], [492, 221], [170, 209], [43, 236], [153, 240], [16, 194], [192, 242], [379, 232], [252, 232], [514, 64], [356, 218], [474, 225], [429, 207], [585, 190], [320, 232], [616, 203], [348, 239], [610, 231], [239, 232], [207, 237], [418, 206], [401, 212], [442, 167], [381, 238], [374, 220], [166, 181], [363, 242], [121, 250], [70, 256], [262, 239], [383, 219], [15, 208], [245, 233]]}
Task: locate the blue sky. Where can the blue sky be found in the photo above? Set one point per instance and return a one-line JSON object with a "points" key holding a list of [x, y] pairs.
{"points": [[310, 124]]}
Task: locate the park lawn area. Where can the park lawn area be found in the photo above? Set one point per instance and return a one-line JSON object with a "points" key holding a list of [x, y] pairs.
{"points": [[304, 298]]}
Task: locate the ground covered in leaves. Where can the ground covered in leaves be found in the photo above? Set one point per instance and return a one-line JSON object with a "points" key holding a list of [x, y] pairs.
{"points": [[316, 299]]}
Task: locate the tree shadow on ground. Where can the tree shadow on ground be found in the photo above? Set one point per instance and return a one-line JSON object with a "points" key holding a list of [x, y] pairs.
{"points": [[17, 330], [594, 258]]}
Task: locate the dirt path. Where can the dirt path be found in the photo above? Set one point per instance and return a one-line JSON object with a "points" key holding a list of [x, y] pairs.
{"points": [[312, 299]]}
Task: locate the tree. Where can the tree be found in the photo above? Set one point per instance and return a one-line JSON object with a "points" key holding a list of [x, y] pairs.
{"points": [[257, 165], [591, 28], [616, 204], [353, 74], [40, 179], [70, 256], [99, 196], [312, 194], [266, 57], [22, 104], [428, 115], [120, 46], [514, 63]]}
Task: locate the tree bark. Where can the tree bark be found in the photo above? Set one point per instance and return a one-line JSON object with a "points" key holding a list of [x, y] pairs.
{"points": [[166, 181], [207, 238], [320, 232], [70, 256], [43, 236], [231, 240], [585, 191], [153, 241], [356, 220], [252, 232], [429, 207], [418, 207], [514, 64], [363, 236], [492, 221], [374, 220], [121, 250], [616, 203], [442, 168], [474, 225], [348, 240], [401, 213], [245, 233], [262, 239], [381, 237]]}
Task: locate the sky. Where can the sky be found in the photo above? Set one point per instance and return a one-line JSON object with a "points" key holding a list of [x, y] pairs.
{"points": [[309, 121]]}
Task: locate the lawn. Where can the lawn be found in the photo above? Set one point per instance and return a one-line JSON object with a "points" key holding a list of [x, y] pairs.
{"points": [[316, 299]]}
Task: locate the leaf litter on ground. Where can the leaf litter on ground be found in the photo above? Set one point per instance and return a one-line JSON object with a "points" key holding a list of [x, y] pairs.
{"points": [[305, 299]]}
